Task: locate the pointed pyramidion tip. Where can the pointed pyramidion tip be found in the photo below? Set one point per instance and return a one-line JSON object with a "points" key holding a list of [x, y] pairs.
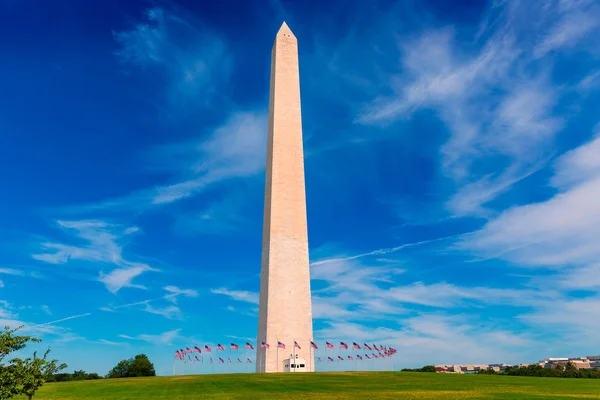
{"points": [[285, 31]]}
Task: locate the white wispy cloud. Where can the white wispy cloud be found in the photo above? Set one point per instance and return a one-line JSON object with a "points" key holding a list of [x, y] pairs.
{"points": [[236, 149], [46, 309], [240, 295], [64, 319], [167, 337], [175, 292], [495, 140], [559, 234], [439, 338], [104, 341], [191, 59], [11, 271], [170, 312], [576, 20], [10, 317], [384, 251], [120, 278], [103, 244]]}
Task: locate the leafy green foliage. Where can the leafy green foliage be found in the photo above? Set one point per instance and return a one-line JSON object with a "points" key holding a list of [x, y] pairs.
{"points": [[427, 368], [10, 343], [8, 382], [141, 366], [569, 371], [133, 367], [80, 375], [32, 372], [23, 376]]}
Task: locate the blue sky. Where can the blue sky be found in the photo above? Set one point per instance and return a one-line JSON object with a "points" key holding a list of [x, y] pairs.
{"points": [[452, 169]]}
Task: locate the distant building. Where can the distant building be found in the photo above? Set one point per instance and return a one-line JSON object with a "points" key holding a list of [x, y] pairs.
{"points": [[594, 361]]}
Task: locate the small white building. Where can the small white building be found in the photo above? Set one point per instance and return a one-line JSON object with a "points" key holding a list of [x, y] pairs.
{"points": [[294, 365]]}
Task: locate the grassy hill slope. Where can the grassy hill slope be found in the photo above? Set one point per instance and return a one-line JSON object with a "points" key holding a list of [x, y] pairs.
{"points": [[351, 385]]}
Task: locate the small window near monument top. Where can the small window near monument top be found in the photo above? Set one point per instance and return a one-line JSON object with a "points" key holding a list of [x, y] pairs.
{"points": [[301, 365]]}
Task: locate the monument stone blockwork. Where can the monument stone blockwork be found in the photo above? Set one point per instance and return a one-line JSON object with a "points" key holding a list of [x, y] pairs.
{"points": [[285, 310]]}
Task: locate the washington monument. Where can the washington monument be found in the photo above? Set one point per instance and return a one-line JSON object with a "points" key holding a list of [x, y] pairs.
{"points": [[285, 311]]}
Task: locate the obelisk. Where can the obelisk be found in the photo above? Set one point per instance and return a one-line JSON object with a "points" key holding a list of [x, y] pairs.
{"points": [[285, 310]]}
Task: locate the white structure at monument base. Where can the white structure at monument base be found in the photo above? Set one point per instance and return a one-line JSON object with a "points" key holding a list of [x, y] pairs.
{"points": [[294, 365]]}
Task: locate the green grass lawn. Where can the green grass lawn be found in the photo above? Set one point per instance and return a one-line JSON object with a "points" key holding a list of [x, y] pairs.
{"points": [[351, 385]]}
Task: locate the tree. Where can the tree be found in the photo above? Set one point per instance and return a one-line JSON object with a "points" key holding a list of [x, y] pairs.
{"points": [[9, 342], [121, 370], [8, 382], [138, 366], [32, 372], [23, 376], [141, 366], [79, 375], [428, 368]]}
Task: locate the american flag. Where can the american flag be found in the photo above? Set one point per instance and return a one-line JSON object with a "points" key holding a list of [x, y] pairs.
{"points": [[249, 346], [280, 345], [207, 349], [313, 345], [350, 358], [375, 356], [367, 357], [229, 360], [328, 345], [220, 347], [355, 345], [239, 361], [340, 358], [189, 358], [234, 346], [178, 355], [375, 347], [319, 359], [343, 345], [297, 345], [196, 358], [249, 361], [188, 350], [264, 345], [220, 360], [358, 357], [197, 349], [380, 355], [329, 359], [367, 346]]}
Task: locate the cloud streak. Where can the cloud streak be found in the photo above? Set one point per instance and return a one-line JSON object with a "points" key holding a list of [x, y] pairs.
{"points": [[103, 244], [495, 140]]}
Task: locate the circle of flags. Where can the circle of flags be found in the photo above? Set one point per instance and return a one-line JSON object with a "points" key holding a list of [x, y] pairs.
{"points": [[371, 352]]}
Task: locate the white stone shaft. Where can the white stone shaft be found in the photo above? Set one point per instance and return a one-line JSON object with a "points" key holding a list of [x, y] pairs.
{"points": [[285, 310]]}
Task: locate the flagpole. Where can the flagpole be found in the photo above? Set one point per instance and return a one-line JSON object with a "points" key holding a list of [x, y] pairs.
{"points": [[310, 351], [245, 363], [326, 359], [277, 356], [294, 357]]}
